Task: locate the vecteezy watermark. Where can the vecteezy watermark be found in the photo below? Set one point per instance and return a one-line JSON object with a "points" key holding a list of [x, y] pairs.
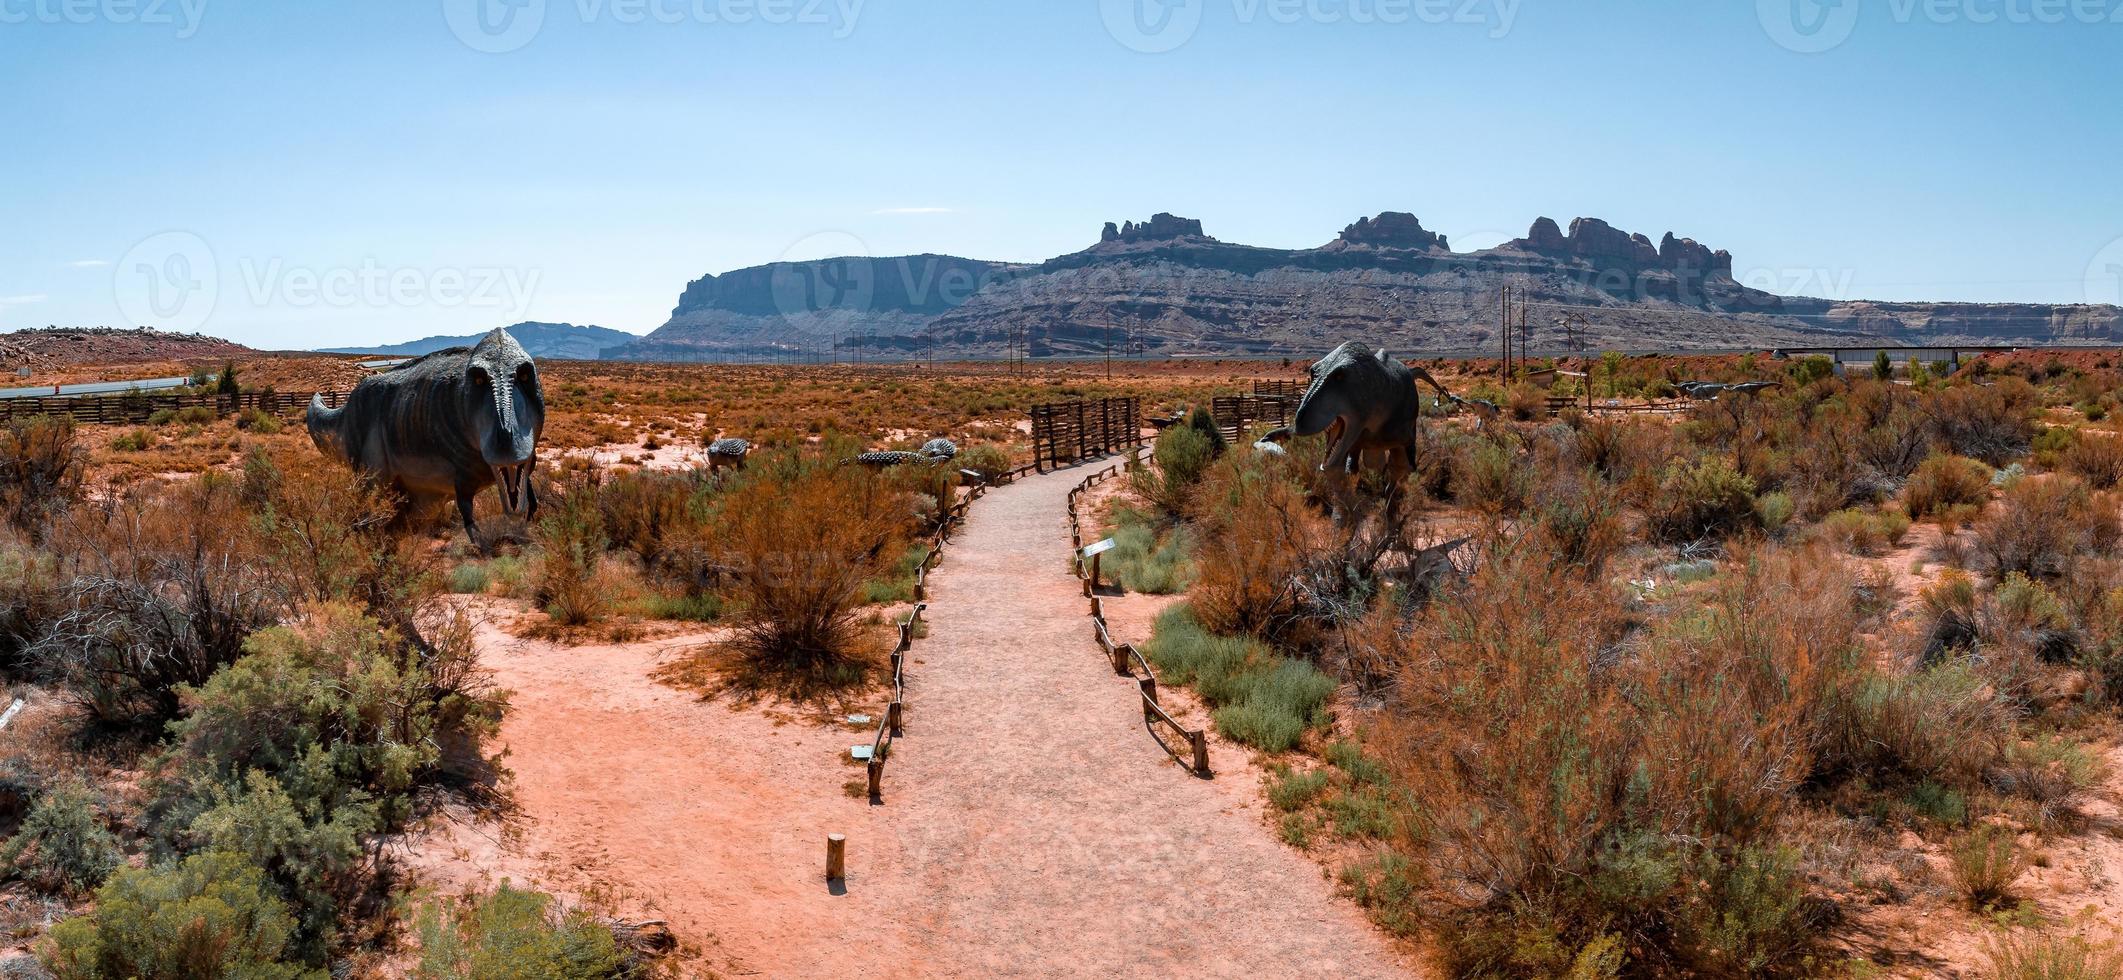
{"points": [[1817, 283], [1157, 26], [167, 281], [183, 15], [1814, 26], [173, 281], [2104, 275], [499, 26]]}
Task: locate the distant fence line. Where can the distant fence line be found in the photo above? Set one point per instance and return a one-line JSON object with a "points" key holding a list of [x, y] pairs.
{"points": [[133, 408], [1126, 660]]}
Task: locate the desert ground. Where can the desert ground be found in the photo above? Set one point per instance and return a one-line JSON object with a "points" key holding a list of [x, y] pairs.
{"points": [[1822, 680]]}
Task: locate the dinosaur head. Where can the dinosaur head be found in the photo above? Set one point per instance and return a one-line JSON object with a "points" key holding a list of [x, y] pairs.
{"points": [[1327, 399], [506, 411]]}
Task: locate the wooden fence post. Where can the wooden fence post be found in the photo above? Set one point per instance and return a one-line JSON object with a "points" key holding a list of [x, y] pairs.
{"points": [[1201, 752], [1148, 684], [895, 713], [836, 857], [877, 772]]}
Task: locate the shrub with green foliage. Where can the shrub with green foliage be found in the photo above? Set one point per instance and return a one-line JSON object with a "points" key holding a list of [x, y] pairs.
{"points": [[1182, 454], [991, 462], [211, 917], [315, 740], [1944, 480], [62, 846], [1706, 498], [1262, 699], [514, 934], [1140, 561], [40, 471], [571, 545]]}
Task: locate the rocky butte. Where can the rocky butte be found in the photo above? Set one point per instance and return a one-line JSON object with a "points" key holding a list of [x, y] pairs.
{"points": [[1165, 286]]}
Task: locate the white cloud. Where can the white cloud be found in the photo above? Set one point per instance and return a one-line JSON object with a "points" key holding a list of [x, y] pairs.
{"points": [[912, 211], [89, 264], [21, 300]]}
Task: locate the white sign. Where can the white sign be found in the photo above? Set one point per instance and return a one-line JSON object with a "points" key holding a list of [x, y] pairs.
{"points": [[1098, 547]]}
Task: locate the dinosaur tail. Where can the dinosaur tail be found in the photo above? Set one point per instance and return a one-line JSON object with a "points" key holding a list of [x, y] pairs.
{"points": [[323, 423]]}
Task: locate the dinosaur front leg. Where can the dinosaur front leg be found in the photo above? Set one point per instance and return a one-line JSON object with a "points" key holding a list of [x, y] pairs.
{"points": [[464, 509]]}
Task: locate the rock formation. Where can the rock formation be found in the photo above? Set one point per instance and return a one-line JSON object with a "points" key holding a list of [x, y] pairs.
{"points": [[1391, 229]]}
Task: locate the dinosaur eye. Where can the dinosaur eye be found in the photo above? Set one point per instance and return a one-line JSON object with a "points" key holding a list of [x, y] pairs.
{"points": [[525, 374], [480, 376]]}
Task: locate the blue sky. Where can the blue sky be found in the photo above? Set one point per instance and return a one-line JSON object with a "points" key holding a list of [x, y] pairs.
{"points": [[298, 173]]}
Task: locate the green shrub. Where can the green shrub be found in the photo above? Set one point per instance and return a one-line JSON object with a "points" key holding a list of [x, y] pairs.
{"points": [[161, 417], [1183, 454], [1774, 509], [470, 578], [897, 585], [1986, 862], [1141, 562], [259, 421], [1261, 699], [1201, 421], [512, 934], [1938, 723], [1290, 791], [1704, 499], [63, 845], [211, 917], [312, 742], [697, 607], [226, 384], [1866, 532], [194, 415], [991, 462]]}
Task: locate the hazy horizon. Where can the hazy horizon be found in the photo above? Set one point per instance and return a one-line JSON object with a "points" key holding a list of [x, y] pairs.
{"points": [[303, 177]]}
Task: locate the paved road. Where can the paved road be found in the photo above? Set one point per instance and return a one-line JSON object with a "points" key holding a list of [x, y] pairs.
{"points": [[95, 388]]}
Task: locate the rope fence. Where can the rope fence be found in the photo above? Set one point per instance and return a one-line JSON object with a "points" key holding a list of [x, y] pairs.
{"points": [[1188, 747]]}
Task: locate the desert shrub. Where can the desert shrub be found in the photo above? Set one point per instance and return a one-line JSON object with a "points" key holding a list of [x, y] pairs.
{"points": [[40, 471], [162, 592], [801, 538], [1986, 862], [1993, 424], [470, 578], [1866, 532], [226, 383], [1260, 698], [991, 462], [193, 415], [571, 539], [1489, 477], [29, 599], [211, 917], [1182, 454], [2096, 459], [1200, 420], [1939, 724], [1774, 510], [513, 933], [645, 512], [259, 421], [2052, 772], [62, 846], [314, 740], [1290, 790], [1140, 561], [1943, 481], [1580, 523], [1574, 802], [1258, 534], [2041, 524], [699, 607], [135, 441], [897, 582], [2052, 957], [1809, 369], [1706, 498], [328, 536]]}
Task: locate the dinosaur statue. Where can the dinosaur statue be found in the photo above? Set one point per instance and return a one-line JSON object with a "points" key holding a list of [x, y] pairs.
{"points": [[940, 450], [933, 451], [729, 453], [450, 423], [1368, 402]]}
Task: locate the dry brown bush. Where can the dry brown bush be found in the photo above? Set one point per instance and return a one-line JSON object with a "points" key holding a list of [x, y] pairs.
{"points": [[40, 471], [2042, 523], [800, 539], [2096, 458], [1944, 481], [1259, 533], [1991, 423]]}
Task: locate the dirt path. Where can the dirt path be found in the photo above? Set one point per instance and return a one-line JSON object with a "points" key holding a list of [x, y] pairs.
{"points": [[1030, 826], [1041, 832]]}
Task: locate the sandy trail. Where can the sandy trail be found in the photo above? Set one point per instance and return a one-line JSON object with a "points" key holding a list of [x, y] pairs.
{"points": [[1030, 827]]}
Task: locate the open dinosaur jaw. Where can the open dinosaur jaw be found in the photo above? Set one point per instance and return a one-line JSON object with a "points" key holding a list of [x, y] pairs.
{"points": [[514, 482]]}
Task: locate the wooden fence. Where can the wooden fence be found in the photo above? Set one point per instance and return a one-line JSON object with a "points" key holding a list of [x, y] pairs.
{"points": [[1237, 413], [1067, 433], [1291, 390], [1126, 660], [134, 408]]}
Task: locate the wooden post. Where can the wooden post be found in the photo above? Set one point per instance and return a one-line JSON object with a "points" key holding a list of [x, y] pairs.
{"points": [[1120, 658], [895, 713], [836, 857], [1094, 572], [1148, 685], [1201, 752], [877, 774]]}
